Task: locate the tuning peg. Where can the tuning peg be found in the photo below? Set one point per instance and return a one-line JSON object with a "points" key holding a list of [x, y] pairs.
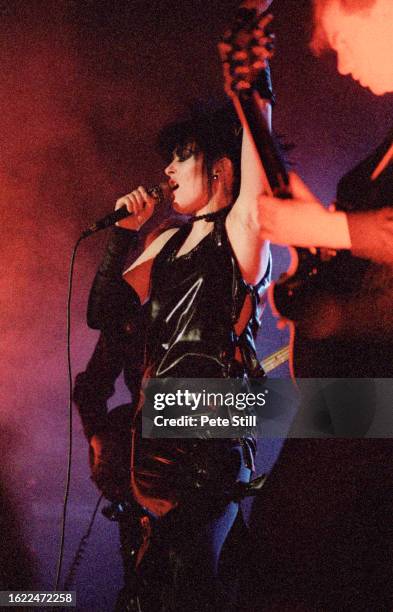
{"points": [[264, 21], [241, 70], [258, 33], [227, 36], [256, 5], [240, 55], [241, 85], [224, 49], [259, 50], [259, 64]]}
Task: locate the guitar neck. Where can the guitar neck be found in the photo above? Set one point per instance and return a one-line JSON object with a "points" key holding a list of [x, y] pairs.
{"points": [[250, 109], [245, 51]]}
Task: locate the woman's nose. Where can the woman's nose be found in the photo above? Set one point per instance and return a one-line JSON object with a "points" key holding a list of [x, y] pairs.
{"points": [[170, 169]]}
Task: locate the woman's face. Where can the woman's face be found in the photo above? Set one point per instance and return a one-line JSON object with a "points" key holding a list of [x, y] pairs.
{"points": [[188, 179], [363, 41]]}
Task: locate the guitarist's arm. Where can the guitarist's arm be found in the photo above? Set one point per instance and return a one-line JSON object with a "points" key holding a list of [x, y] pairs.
{"points": [[303, 221], [372, 235]]}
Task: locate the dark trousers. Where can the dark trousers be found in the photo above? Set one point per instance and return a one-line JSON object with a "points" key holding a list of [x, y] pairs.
{"points": [[181, 568]]}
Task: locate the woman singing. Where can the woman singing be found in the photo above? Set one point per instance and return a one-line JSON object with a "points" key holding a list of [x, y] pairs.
{"points": [[198, 288]]}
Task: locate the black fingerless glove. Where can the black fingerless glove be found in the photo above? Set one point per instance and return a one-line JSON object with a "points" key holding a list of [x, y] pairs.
{"points": [[112, 301], [96, 384]]}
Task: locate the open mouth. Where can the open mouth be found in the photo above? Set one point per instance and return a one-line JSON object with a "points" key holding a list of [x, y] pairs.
{"points": [[173, 186]]}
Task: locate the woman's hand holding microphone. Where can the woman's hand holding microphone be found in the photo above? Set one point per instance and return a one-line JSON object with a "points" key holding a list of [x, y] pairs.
{"points": [[140, 205]]}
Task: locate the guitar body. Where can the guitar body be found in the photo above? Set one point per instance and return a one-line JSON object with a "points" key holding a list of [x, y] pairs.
{"points": [[307, 300], [315, 275], [318, 278], [312, 282]]}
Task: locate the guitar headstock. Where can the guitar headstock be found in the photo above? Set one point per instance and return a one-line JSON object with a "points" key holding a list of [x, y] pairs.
{"points": [[246, 47]]}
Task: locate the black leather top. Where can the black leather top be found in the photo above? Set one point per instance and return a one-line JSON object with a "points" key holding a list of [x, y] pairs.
{"points": [[195, 301]]}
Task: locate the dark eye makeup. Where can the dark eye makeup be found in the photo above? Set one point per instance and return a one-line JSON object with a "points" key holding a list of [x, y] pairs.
{"points": [[184, 152]]}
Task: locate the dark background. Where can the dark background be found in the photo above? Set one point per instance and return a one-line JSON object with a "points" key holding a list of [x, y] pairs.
{"points": [[84, 87]]}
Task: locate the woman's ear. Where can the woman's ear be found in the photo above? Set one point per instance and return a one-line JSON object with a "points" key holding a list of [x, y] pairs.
{"points": [[222, 167], [222, 178]]}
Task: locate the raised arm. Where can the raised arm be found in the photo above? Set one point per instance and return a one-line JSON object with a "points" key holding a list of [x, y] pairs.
{"points": [[244, 222], [250, 46]]}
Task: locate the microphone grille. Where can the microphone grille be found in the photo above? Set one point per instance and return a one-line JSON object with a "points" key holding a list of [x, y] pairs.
{"points": [[161, 193]]}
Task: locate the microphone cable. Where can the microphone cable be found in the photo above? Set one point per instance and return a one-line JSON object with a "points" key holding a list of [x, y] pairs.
{"points": [[80, 551], [70, 419]]}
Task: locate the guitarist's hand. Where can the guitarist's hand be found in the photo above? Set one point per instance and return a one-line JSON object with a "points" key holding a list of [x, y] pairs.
{"points": [[302, 221]]}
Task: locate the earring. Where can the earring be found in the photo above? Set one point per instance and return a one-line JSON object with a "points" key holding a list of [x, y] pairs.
{"points": [[215, 177]]}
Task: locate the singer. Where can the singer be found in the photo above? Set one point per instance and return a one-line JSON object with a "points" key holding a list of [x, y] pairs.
{"points": [[196, 292]]}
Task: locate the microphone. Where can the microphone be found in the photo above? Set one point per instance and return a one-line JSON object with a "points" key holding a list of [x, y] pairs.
{"points": [[159, 192]]}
